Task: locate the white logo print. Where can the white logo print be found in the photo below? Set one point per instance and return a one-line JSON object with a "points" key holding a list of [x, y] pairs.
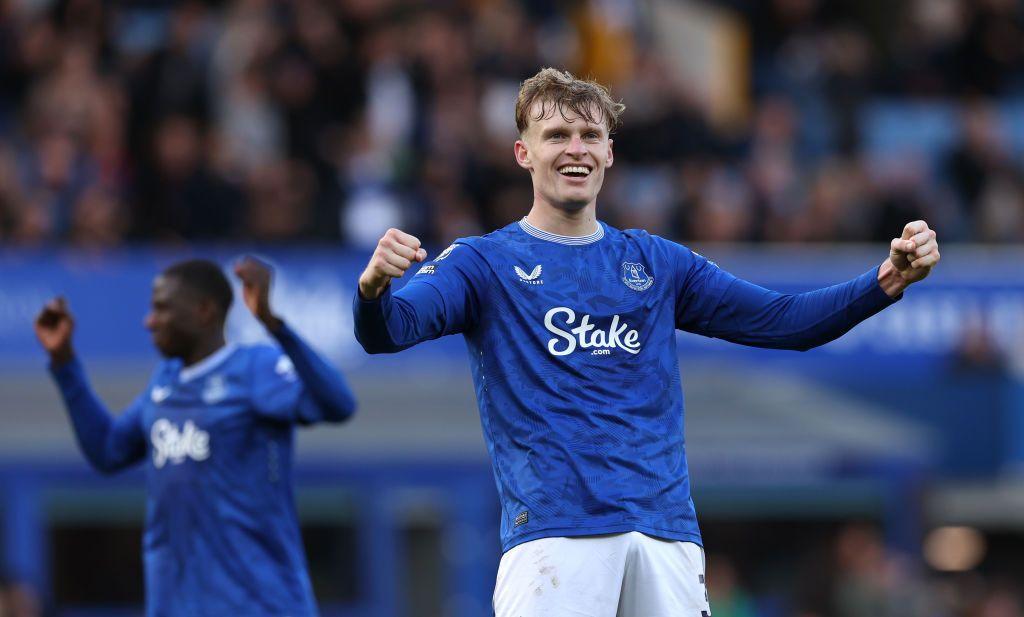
{"points": [[533, 278], [215, 390], [586, 335], [696, 254], [285, 368], [170, 444], [634, 276], [445, 253], [159, 393]]}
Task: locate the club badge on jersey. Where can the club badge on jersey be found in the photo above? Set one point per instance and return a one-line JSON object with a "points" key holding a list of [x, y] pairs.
{"points": [[635, 277], [215, 389]]}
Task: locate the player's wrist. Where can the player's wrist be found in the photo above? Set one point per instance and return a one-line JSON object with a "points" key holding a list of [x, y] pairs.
{"points": [[372, 290], [61, 356], [891, 280], [271, 322]]}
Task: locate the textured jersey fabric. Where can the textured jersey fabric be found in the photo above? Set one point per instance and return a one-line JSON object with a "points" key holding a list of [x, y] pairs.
{"points": [[573, 352], [221, 534]]}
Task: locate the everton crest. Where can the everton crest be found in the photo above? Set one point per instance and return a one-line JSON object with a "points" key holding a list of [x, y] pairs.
{"points": [[635, 277], [215, 390]]}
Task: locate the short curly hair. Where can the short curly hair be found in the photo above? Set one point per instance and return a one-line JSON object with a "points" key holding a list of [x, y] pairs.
{"points": [[204, 278], [560, 90]]}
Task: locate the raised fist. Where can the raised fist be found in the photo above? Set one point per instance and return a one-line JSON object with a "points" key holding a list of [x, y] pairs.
{"points": [[395, 253], [54, 326]]}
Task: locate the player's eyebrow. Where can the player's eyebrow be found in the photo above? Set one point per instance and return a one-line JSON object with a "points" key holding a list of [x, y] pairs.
{"points": [[548, 132], [567, 128]]}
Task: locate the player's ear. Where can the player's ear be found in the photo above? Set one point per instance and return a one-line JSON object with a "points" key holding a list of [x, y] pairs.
{"points": [[523, 155], [611, 154], [209, 312]]}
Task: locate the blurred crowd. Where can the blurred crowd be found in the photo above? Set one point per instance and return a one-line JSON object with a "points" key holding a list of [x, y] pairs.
{"points": [[330, 120], [853, 574], [18, 599]]}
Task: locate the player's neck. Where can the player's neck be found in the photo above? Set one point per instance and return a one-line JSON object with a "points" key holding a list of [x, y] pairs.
{"points": [[582, 222], [203, 350]]}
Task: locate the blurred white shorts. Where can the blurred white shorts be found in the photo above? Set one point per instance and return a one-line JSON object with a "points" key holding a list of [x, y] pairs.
{"points": [[618, 575]]}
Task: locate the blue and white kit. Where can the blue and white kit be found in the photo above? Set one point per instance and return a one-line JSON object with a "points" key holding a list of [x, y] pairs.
{"points": [[572, 342], [221, 533]]}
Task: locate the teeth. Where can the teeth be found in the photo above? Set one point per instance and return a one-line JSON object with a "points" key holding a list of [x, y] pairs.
{"points": [[574, 169]]}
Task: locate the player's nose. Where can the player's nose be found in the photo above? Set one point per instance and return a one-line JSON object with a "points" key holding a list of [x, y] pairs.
{"points": [[576, 147], [149, 321]]}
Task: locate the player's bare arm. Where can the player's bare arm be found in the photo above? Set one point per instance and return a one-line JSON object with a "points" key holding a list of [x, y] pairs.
{"points": [[54, 326], [256, 277], [395, 253], [911, 258]]}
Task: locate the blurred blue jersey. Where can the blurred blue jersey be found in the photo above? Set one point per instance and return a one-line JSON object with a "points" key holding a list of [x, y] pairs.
{"points": [[573, 351], [221, 533]]}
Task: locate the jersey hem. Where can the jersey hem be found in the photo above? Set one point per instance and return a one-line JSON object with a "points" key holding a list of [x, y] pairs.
{"points": [[568, 532]]}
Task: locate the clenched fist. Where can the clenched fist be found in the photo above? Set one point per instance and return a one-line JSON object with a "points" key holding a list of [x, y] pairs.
{"points": [[256, 276], [911, 258], [395, 253], [54, 326]]}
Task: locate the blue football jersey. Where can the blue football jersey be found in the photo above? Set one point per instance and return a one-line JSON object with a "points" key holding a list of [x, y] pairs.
{"points": [[216, 438], [572, 342]]}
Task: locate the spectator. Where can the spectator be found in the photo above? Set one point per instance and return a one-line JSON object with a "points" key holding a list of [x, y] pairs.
{"points": [[728, 597], [181, 118]]}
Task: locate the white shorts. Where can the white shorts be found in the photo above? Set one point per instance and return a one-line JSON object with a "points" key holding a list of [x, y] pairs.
{"points": [[618, 575]]}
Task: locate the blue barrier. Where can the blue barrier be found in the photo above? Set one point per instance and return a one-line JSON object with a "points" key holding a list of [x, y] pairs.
{"points": [[466, 506], [110, 294]]}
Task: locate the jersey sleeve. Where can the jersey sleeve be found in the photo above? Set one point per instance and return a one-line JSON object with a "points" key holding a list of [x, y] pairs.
{"points": [[110, 443], [295, 384], [712, 302], [442, 298]]}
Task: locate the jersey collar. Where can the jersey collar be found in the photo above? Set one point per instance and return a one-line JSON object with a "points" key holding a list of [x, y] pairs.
{"points": [[207, 364], [570, 240]]}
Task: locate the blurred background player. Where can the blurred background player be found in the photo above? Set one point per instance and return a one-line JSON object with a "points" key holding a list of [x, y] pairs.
{"points": [[215, 430], [571, 331]]}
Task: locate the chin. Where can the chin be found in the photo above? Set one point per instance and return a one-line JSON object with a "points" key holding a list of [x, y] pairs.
{"points": [[167, 351], [571, 206], [572, 203]]}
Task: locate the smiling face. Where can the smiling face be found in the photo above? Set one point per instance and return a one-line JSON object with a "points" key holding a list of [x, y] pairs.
{"points": [[565, 154]]}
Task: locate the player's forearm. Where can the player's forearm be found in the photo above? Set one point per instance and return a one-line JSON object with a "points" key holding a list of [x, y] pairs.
{"points": [[371, 327], [90, 419], [392, 323], [758, 317], [324, 383]]}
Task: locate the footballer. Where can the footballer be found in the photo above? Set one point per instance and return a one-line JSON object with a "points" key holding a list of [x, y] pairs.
{"points": [[571, 330], [214, 429]]}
